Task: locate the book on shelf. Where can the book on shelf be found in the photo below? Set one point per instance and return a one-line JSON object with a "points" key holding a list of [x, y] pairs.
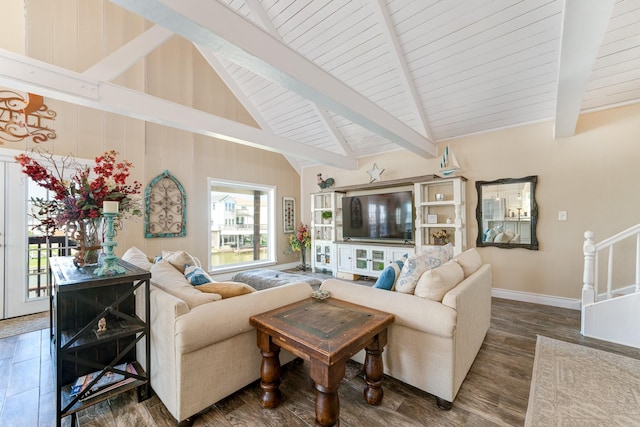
{"points": [[107, 382]]}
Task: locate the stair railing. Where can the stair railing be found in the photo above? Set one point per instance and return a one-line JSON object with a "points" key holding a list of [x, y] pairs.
{"points": [[591, 257]]}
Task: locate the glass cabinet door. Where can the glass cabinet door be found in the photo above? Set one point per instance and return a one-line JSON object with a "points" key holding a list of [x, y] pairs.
{"points": [[377, 260], [361, 259]]}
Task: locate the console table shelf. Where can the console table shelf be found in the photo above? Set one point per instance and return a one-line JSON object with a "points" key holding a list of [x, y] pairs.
{"points": [[79, 343]]}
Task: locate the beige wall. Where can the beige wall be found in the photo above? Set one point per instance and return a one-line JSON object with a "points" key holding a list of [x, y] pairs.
{"points": [[593, 176], [75, 34], [12, 30]]}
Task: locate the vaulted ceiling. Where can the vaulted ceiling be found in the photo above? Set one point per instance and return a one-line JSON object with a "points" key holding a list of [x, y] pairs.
{"points": [[330, 81]]}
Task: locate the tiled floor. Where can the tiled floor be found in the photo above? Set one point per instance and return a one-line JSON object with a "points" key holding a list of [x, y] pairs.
{"points": [[27, 390]]}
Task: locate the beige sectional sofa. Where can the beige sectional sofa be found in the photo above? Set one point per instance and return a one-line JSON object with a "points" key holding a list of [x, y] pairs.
{"points": [[432, 344], [203, 347]]}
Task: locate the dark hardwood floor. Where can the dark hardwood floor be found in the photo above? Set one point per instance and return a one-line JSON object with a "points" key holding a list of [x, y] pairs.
{"points": [[495, 391]]}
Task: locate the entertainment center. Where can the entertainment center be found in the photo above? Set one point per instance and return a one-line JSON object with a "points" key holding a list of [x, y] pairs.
{"points": [[359, 230]]}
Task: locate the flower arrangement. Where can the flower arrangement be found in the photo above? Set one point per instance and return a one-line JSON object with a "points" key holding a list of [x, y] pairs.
{"points": [[301, 239], [80, 196], [441, 235]]}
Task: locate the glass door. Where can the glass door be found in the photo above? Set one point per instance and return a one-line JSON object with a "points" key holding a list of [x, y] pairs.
{"points": [[25, 278]]}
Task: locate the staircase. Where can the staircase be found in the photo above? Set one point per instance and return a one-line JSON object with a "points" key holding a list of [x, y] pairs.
{"points": [[614, 314]]}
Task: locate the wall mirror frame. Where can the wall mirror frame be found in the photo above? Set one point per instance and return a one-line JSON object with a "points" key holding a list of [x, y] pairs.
{"points": [[507, 213]]}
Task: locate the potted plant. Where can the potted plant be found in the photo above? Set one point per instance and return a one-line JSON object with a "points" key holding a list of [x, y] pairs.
{"points": [[327, 215], [440, 237]]}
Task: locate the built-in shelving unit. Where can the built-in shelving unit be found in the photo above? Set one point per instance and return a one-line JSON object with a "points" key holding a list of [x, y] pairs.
{"points": [[326, 229], [440, 206], [348, 259]]}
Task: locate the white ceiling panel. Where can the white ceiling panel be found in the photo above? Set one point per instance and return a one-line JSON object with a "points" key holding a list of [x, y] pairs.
{"points": [[615, 79], [440, 69]]}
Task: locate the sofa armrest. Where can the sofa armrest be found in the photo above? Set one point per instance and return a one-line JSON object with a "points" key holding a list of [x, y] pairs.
{"points": [[216, 321], [411, 311], [472, 293], [472, 301]]}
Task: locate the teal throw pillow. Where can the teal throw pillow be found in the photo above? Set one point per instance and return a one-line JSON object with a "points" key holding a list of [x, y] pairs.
{"points": [[196, 275], [387, 279]]}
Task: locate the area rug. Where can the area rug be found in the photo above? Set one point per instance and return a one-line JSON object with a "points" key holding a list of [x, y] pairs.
{"points": [[24, 324], [573, 385]]}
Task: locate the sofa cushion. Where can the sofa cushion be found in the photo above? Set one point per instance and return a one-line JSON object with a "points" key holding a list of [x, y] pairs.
{"points": [[226, 289], [504, 237], [435, 283], [390, 274], [196, 275], [432, 257], [469, 260], [179, 259], [166, 277], [138, 258]]}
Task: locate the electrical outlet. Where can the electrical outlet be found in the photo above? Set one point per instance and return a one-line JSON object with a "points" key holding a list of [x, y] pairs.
{"points": [[562, 215]]}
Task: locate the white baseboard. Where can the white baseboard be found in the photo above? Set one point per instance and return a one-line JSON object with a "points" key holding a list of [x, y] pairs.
{"points": [[570, 303]]}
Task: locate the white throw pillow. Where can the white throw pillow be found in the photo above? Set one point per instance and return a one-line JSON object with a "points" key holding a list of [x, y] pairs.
{"points": [[435, 283], [179, 259], [432, 257], [469, 260], [138, 258], [166, 277]]}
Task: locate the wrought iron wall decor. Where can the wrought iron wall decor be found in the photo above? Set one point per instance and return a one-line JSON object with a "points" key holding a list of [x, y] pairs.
{"points": [[165, 213], [23, 117]]}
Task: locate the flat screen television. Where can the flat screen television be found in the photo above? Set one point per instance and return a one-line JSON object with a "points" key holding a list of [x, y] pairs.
{"points": [[387, 216]]}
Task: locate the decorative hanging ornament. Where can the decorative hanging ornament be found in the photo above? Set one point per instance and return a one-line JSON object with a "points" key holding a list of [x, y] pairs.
{"points": [[23, 117], [375, 173]]}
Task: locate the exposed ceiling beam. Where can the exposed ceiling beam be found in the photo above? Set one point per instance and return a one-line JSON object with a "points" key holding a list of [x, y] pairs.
{"points": [[258, 10], [584, 23], [222, 72], [124, 58], [217, 27], [30, 75], [406, 79]]}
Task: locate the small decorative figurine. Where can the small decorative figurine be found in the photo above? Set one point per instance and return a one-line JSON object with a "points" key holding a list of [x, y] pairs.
{"points": [[102, 324], [325, 183]]}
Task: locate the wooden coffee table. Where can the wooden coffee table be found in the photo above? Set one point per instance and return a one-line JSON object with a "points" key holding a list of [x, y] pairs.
{"points": [[326, 334]]}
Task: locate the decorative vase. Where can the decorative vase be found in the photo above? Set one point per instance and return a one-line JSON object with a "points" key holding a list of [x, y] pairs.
{"points": [[440, 241], [87, 234], [303, 257]]}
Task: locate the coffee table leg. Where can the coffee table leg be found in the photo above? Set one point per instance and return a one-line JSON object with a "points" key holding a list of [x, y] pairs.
{"points": [[374, 370], [269, 372], [327, 406], [327, 380]]}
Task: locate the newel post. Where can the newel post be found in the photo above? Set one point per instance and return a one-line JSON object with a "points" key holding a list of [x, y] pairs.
{"points": [[588, 278]]}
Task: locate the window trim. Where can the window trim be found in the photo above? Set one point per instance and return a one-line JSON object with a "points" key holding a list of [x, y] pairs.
{"points": [[271, 226]]}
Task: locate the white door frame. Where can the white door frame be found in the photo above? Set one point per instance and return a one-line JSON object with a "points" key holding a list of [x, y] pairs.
{"points": [[16, 301]]}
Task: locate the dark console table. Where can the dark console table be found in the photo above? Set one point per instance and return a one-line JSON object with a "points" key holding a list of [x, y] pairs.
{"points": [[80, 343]]}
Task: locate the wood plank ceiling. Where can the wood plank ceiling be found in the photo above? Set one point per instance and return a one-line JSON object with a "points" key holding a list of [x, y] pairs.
{"points": [[351, 78]]}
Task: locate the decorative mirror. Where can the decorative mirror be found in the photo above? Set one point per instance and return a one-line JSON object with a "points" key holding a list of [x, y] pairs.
{"points": [[165, 207], [507, 213]]}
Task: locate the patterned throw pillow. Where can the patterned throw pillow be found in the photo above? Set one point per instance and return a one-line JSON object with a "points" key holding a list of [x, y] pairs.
{"points": [[196, 275], [432, 257]]}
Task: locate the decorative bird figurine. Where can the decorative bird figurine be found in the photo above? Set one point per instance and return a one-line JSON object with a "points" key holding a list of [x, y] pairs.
{"points": [[325, 183]]}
